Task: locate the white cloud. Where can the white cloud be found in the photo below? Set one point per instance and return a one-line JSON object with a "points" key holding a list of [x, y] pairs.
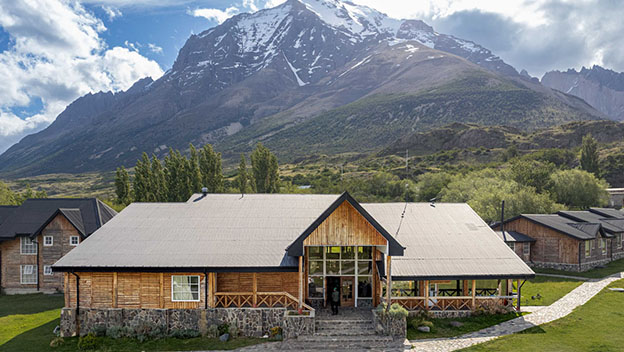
{"points": [[155, 48], [215, 14], [56, 55], [111, 12]]}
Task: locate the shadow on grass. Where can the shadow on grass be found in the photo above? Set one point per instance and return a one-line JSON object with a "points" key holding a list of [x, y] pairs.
{"points": [[37, 339], [534, 330], [29, 304]]}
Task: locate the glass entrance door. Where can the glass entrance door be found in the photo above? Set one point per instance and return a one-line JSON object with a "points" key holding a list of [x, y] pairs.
{"points": [[347, 298]]}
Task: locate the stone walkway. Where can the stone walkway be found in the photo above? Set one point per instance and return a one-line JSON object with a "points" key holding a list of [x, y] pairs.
{"points": [[559, 309]]}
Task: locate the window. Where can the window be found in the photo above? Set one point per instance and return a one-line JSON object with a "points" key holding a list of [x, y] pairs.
{"points": [[28, 274], [185, 288], [47, 270], [619, 240], [28, 246], [512, 245], [593, 244], [603, 245], [315, 287], [48, 241], [526, 248], [74, 240], [588, 244]]}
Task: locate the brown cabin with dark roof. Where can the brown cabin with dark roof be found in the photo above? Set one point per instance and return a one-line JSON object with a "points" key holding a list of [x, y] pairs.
{"points": [[36, 234]]}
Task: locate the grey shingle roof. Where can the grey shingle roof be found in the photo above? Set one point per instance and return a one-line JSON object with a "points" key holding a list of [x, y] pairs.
{"points": [[29, 218], [6, 211], [564, 225], [514, 236], [226, 231], [608, 212], [586, 216], [448, 240]]}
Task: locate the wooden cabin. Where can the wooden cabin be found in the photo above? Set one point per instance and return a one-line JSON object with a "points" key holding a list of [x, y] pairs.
{"points": [[227, 251], [36, 234], [568, 240]]}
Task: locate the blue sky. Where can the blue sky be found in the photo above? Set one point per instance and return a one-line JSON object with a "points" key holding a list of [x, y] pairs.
{"points": [[54, 51]]}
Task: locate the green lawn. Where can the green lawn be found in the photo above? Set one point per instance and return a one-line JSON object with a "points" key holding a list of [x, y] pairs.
{"points": [[544, 291], [595, 326], [442, 328], [27, 323], [613, 267]]}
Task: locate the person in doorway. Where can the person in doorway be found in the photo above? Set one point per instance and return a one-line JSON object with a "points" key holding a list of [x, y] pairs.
{"points": [[335, 299]]}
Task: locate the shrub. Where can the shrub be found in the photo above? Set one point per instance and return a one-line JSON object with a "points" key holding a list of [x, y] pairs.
{"points": [[224, 329], [276, 330], [56, 342], [213, 330], [99, 330], [234, 331], [88, 342], [114, 332], [397, 311]]}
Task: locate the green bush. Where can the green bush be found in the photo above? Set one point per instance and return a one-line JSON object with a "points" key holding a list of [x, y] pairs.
{"points": [[224, 329], [395, 311], [212, 331], [115, 332], [184, 333], [276, 330], [234, 331], [99, 330], [88, 342]]}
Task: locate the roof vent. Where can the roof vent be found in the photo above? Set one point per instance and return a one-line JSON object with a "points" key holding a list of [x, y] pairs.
{"points": [[204, 190]]}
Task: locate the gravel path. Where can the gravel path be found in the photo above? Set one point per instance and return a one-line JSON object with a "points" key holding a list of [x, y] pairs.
{"points": [[559, 309]]}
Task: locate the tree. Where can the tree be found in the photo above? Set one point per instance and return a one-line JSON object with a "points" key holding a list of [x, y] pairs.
{"points": [[265, 170], [485, 190], [579, 189], [589, 155], [194, 172], [242, 178], [7, 197], [211, 171], [158, 181], [142, 177], [122, 186], [532, 173], [430, 184]]}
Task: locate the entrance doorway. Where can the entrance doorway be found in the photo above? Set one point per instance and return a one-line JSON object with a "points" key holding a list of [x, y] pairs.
{"points": [[344, 285]]}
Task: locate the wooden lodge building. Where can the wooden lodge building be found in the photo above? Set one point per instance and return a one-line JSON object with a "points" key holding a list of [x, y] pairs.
{"points": [[567, 240], [36, 234], [224, 253]]}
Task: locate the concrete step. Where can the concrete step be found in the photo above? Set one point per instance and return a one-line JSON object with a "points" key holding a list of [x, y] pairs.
{"points": [[345, 333], [344, 338], [358, 322]]}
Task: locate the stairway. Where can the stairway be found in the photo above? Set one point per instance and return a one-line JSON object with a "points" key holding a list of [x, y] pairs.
{"points": [[347, 331]]}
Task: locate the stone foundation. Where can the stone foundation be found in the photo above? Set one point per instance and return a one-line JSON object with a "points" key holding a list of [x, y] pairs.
{"points": [[391, 326], [251, 322], [571, 267]]}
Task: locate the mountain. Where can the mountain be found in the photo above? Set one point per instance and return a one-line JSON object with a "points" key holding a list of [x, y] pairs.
{"points": [[601, 88], [307, 75]]}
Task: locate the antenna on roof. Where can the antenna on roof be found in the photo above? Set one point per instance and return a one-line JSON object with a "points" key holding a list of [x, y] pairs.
{"points": [[204, 191]]}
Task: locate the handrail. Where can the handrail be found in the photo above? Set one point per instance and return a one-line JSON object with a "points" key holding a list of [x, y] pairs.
{"points": [[452, 297], [284, 294]]}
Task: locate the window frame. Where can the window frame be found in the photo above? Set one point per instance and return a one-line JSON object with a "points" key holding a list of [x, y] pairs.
{"points": [[603, 245], [526, 248], [71, 242], [619, 239], [34, 273], [198, 289], [512, 246], [588, 248], [34, 244], [51, 238], [45, 270]]}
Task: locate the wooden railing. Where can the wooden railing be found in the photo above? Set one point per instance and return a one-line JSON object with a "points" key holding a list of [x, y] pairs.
{"points": [[444, 303], [259, 299]]}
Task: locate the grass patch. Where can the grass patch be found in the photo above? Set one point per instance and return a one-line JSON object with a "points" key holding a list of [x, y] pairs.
{"points": [[611, 268], [29, 304], [442, 326], [595, 326], [544, 291]]}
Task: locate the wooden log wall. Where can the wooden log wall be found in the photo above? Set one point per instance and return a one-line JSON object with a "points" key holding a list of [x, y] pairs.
{"points": [[153, 290], [345, 227]]}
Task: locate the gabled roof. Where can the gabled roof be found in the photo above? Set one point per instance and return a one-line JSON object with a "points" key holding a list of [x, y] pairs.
{"points": [[296, 248], [86, 214], [514, 236], [608, 212], [586, 216], [446, 241], [562, 225], [6, 211]]}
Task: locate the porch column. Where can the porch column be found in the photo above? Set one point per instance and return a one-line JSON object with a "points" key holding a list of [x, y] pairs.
{"points": [[518, 294], [427, 295], [389, 284], [255, 290], [474, 291], [499, 288], [212, 281], [300, 282]]}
